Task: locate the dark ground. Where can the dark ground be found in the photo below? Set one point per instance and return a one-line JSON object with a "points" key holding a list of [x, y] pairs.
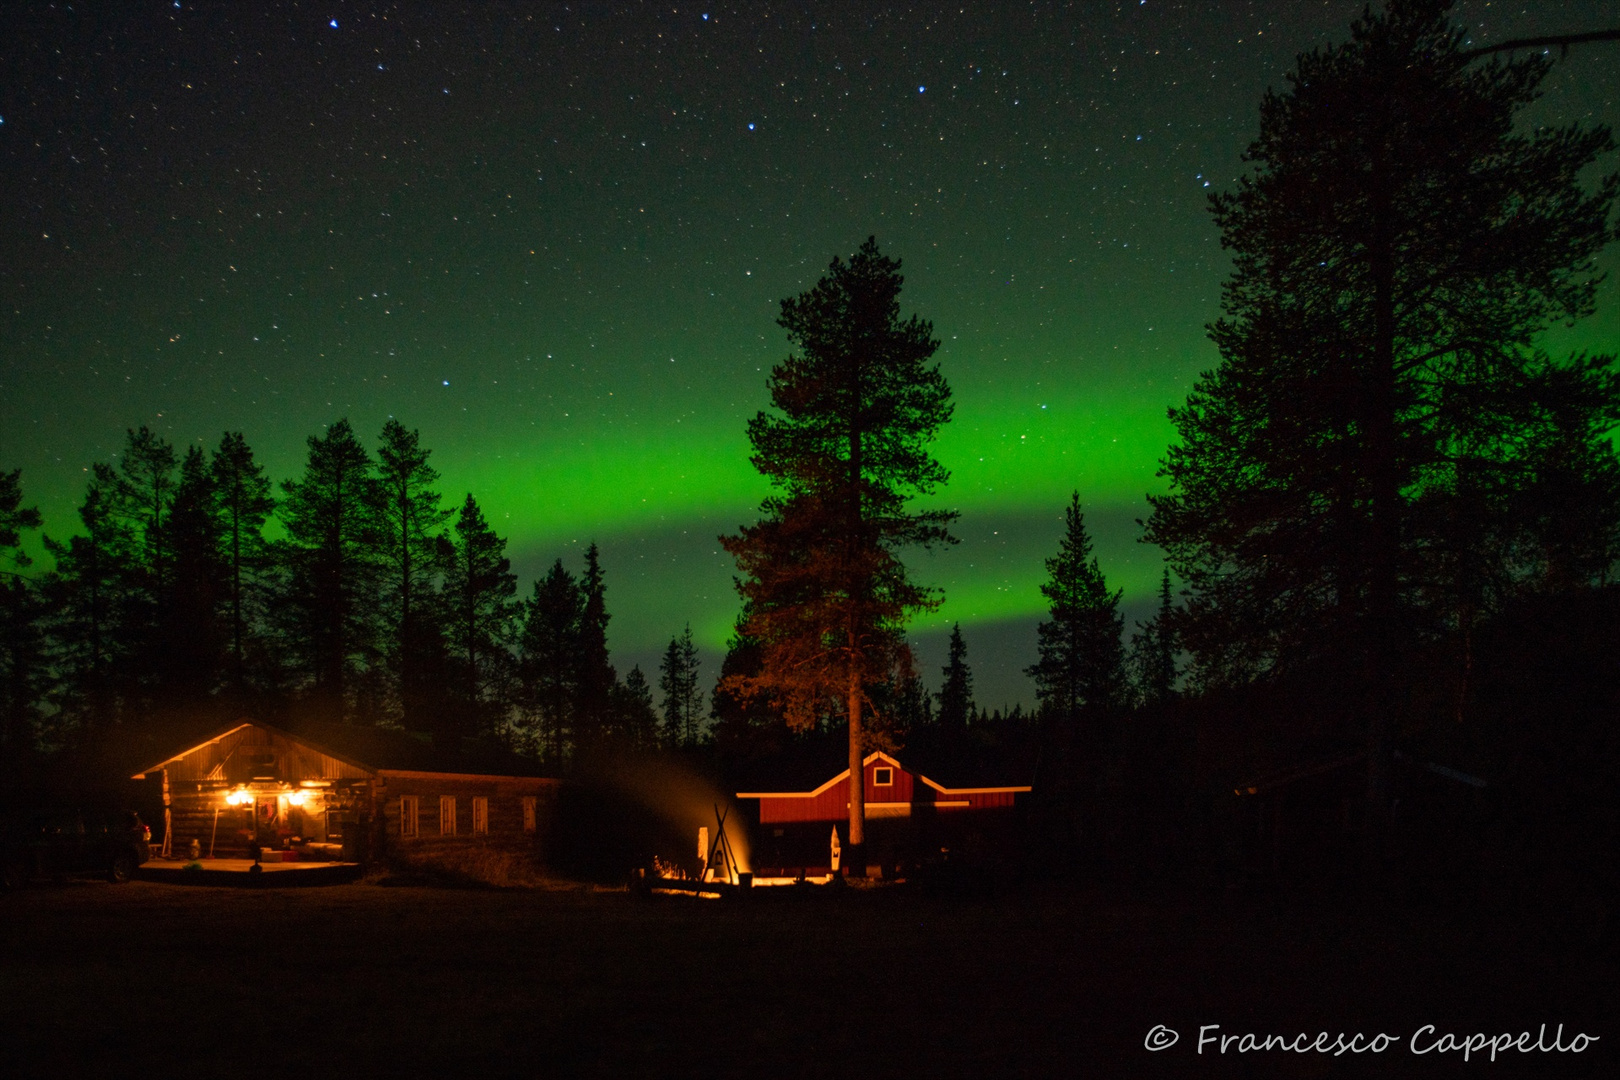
{"points": [[150, 979]]}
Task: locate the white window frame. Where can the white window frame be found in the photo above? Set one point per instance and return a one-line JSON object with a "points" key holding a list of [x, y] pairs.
{"points": [[410, 816], [480, 814], [877, 776], [447, 815], [528, 813]]}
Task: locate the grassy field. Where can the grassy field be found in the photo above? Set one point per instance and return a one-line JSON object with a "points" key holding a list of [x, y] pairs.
{"points": [[148, 979]]}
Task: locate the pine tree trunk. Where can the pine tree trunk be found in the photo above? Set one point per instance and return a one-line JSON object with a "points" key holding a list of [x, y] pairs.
{"points": [[1383, 547], [855, 853]]}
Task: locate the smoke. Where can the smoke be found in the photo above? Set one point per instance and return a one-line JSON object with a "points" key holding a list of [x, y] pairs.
{"points": [[680, 798]]}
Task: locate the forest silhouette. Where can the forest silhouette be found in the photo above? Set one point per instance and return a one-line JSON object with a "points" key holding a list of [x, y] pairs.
{"points": [[1389, 524]]}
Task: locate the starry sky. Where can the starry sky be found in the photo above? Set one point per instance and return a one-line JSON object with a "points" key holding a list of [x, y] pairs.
{"points": [[554, 237]]}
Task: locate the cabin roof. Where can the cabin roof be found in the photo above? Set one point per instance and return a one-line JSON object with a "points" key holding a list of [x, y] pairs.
{"points": [[826, 781], [367, 750]]}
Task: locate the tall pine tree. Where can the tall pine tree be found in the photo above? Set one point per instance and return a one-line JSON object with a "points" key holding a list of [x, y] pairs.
{"points": [[88, 596], [1397, 248], [330, 515], [192, 632], [846, 450], [243, 502], [413, 550]]}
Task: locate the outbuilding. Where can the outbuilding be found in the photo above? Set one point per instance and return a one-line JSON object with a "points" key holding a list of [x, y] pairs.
{"points": [[910, 817]]}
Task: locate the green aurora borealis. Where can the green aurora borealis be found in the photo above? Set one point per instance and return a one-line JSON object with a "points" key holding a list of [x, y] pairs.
{"points": [[556, 245]]}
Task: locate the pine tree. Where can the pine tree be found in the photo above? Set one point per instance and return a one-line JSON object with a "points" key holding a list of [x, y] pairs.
{"points": [[846, 451], [479, 588], [683, 701], [192, 634], [87, 596], [1397, 248], [243, 503], [549, 662], [143, 497], [141, 502], [14, 518], [331, 521], [956, 692], [414, 554], [1081, 655], [22, 640], [1152, 660]]}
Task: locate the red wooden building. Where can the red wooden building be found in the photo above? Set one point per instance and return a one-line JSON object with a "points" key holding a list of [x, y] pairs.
{"points": [[910, 816]]}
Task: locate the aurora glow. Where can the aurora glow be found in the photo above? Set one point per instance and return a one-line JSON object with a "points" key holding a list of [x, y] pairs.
{"points": [[556, 244]]}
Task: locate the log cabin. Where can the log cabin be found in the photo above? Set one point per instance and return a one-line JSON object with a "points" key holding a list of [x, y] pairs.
{"points": [[343, 793]]}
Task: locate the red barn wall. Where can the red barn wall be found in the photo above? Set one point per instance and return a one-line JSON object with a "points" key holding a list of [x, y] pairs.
{"points": [[833, 804]]}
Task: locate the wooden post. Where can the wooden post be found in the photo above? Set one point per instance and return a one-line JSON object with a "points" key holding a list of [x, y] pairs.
{"points": [[857, 781], [168, 821]]}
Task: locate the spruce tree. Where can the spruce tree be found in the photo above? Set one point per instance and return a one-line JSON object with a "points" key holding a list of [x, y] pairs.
{"points": [[595, 678], [683, 701], [1081, 661], [479, 591], [1152, 660], [743, 723], [637, 721], [912, 705], [549, 662], [845, 451], [956, 691]]}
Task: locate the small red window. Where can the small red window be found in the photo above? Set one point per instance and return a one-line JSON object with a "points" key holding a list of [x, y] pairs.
{"points": [[882, 777]]}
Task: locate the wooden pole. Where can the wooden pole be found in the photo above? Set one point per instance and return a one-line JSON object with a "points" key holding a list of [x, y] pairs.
{"points": [[167, 850]]}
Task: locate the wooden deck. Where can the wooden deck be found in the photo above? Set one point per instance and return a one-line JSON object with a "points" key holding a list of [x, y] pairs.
{"points": [[240, 872]]}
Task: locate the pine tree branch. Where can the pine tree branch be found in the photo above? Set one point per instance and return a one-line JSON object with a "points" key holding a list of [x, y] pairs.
{"points": [[1564, 41]]}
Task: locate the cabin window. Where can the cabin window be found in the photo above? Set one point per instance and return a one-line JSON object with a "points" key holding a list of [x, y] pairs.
{"points": [[480, 815], [410, 810], [882, 777], [447, 815], [528, 813]]}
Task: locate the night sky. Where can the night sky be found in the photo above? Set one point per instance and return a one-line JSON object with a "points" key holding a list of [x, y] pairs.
{"points": [[554, 238]]}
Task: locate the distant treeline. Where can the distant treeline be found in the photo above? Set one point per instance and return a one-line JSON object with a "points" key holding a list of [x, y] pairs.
{"points": [[374, 603]]}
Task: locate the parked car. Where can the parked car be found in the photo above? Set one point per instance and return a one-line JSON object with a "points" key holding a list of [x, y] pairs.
{"points": [[57, 845]]}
